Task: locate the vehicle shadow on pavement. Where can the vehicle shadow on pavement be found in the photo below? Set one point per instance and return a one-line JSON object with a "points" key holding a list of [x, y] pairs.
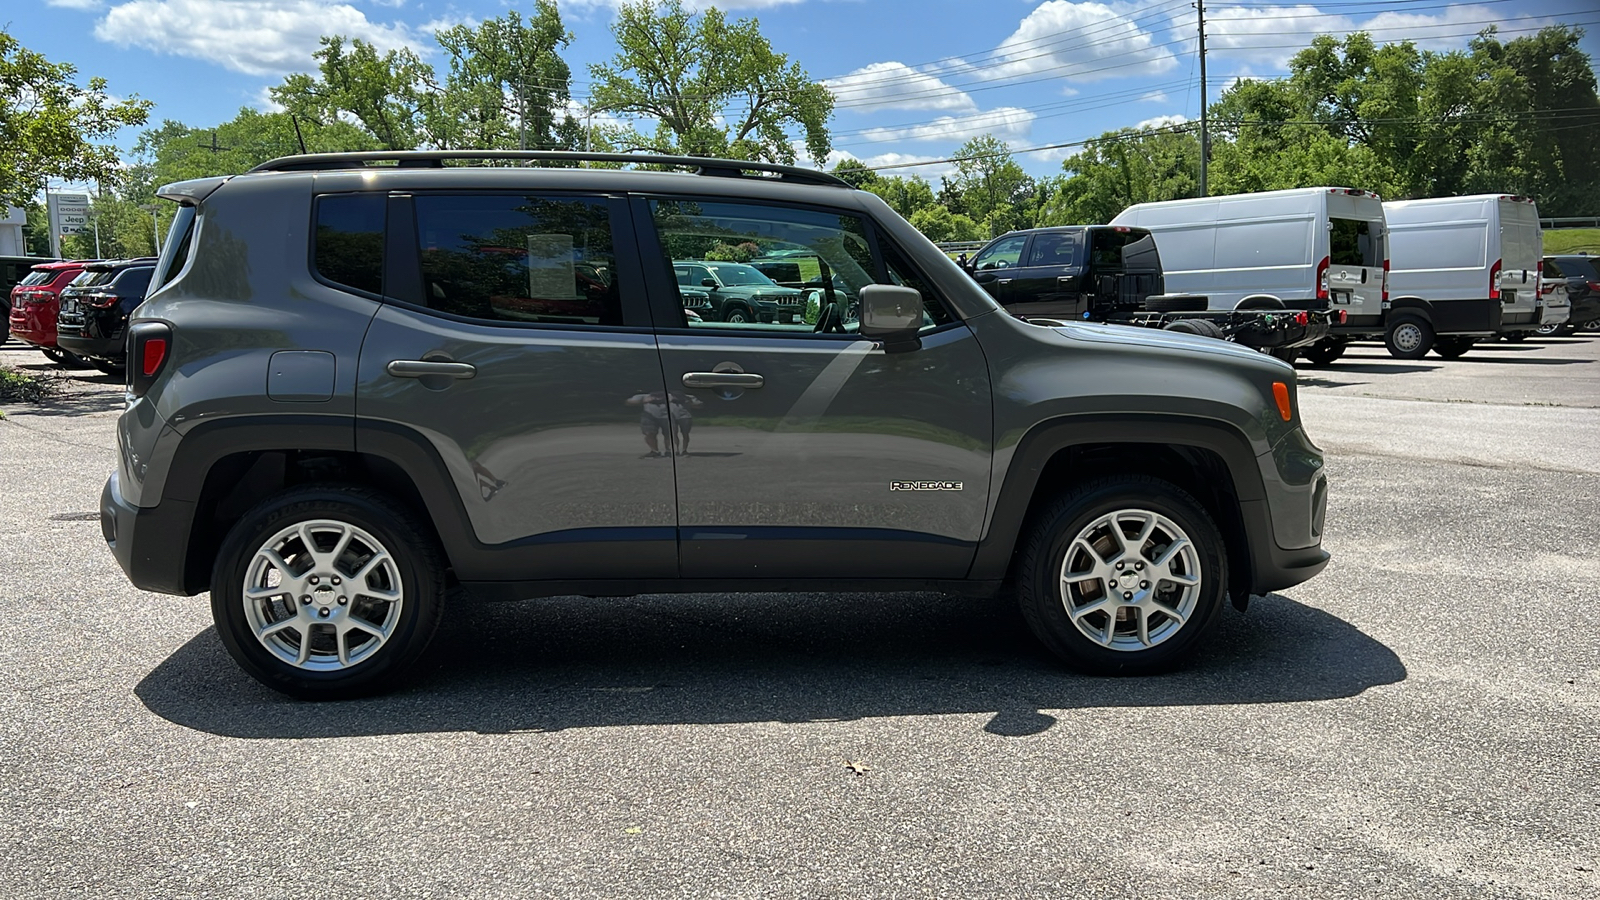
{"points": [[584, 662], [75, 403]]}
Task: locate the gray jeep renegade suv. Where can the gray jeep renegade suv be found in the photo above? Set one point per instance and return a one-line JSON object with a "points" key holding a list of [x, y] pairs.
{"points": [[360, 378]]}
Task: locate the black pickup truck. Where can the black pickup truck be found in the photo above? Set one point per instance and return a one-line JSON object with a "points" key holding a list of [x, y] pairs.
{"points": [[1112, 273]]}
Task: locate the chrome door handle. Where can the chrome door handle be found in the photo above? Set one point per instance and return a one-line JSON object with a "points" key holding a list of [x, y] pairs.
{"points": [[722, 379], [420, 368], [1003, 280]]}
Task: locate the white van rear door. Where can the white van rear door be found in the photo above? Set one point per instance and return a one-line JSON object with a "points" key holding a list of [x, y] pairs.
{"points": [[1521, 249], [1358, 249]]}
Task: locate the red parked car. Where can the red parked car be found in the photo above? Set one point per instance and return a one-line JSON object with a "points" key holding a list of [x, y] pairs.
{"points": [[34, 304]]}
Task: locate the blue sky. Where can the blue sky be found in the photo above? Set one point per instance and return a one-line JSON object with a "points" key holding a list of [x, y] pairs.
{"points": [[913, 79]]}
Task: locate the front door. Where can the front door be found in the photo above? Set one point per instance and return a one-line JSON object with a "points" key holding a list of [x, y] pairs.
{"points": [[995, 266], [804, 451], [525, 361]]}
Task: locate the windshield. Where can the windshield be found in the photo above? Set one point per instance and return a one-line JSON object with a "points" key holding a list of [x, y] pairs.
{"points": [[1570, 268], [737, 274]]}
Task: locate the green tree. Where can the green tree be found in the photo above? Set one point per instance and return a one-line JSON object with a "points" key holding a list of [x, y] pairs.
{"points": [[506, 87], [49, 126], [994, 189], [937, 223], [713, 87], [1120, 169]]}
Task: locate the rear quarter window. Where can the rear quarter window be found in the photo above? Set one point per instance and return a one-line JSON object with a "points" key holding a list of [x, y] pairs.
{"points": [[348, 245]]}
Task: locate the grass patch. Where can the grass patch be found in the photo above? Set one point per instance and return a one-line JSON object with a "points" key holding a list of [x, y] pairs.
{"points": [[26, 387], [1571, 240]]}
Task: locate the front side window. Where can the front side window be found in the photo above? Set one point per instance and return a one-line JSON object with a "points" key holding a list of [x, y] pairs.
{"points": [[826, 257], [1353, 242], [519, 258], [1001, 254], [349, 240]]}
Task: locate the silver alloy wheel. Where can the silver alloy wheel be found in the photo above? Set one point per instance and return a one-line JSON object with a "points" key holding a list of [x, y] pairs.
{"points": [[1407, 336], [1130, 580], [323, 595], [1547, 330], [737, 316]]}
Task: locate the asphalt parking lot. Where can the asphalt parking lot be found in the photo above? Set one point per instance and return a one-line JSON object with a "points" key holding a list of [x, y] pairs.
{"points": [[1421, 720]]}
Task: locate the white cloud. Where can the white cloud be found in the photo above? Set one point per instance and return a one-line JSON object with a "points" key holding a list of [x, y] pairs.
{"points": [[930, 172], [1154, 97], [1161, 122], [1006, 122], [1256, 34], [75, 4], [256, 37], [693, 5], [893, 85], [1083, 42]]}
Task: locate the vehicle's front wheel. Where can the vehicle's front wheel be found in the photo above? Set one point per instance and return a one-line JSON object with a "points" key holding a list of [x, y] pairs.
{"points": [[326, 592], [1408, 337], [1122, 576], [736, 315]]}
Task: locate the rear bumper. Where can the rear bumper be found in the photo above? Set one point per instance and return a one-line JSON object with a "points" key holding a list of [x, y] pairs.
{"points": [[95, 348], [150, 543]]}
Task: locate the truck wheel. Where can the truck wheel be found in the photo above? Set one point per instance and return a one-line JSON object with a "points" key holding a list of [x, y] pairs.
{"points": [[326, 592], [1201, 327], [1122, 575], [1324, 351], [1408, 337], [1453, 347]]}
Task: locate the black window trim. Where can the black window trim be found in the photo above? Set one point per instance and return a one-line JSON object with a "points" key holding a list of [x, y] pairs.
{"points": [[663, 283]]}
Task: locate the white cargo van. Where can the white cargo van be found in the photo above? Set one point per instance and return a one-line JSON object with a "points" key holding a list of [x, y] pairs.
{"points": [[1308, 248], [1467, 266]]}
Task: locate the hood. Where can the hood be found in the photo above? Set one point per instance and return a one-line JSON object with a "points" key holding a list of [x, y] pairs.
{"points": [[1132, 335]]}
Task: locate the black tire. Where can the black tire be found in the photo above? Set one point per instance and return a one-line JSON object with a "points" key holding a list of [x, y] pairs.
{"points": [[1287, 354], [1408, 337], [1325, 351], [736, 314], [1449, 347], [64, 359], [1548, 330], [418, 565], [1201, 327], [1260, 301], [1176, 303], [1080, 510], [1514, 337]]}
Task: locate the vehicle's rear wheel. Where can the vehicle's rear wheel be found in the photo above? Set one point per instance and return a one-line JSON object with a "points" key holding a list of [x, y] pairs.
{"points": [[62, 358], [1122, 575], [1408, 337], [326, 592], [1550, 330], [1514, 336], [1201, 327], [1450, 347], [1324, 351]]}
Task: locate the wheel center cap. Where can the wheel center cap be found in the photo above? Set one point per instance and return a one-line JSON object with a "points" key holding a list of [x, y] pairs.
{"points": [[324, 596]]}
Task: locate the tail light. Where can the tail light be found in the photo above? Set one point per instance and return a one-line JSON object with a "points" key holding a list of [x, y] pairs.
{"points": [[1344, 316], [1322, 278], [149, 348], [1302, 317], [1386, 281], [100, 300], [1494, 280], [1593, 285], [1538, 278]]}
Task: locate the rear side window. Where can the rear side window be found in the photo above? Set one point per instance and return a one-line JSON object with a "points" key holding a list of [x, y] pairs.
{"points": [[38, 276], [519, 258], [179, 239], [1353, 242], [134, 282], [93, 277], [1053, 249], [1124, 249], [349, 240], [1572, 268]]}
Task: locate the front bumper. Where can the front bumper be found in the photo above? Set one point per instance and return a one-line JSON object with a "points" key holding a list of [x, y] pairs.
{"points": [[150, 543]]}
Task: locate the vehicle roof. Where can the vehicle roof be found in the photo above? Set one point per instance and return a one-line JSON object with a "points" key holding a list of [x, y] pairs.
{"points": [[36, 260], [1465, 198], [108, 264]]}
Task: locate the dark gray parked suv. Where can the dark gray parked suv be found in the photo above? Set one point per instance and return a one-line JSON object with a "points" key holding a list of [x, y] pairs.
{"points": [[356, 382]]}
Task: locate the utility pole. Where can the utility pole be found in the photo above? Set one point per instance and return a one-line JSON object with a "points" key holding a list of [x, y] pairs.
{"points": [[1205, 134]]}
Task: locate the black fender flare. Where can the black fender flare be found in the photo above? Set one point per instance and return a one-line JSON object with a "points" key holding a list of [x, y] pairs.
{"points": [[1043, 441]]}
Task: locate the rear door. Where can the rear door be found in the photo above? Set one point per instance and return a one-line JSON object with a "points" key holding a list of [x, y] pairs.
{"points": [[1357, 253], [803, 450], [1521, 248], [1046, 281], [515, 350]]}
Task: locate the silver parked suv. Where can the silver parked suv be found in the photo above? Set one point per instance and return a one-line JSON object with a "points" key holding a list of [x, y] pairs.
{"points": [[360, 378]]}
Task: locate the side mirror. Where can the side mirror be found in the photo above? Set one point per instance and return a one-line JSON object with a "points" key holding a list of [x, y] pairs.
{"points": [[708, 282], [892, 315]]}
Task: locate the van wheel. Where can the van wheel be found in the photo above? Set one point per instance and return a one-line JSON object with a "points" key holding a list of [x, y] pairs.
{"points": [[1122, 575], [326, 592], [1408, 337], [1201, 327], [1453, 347], [1324, 351]]}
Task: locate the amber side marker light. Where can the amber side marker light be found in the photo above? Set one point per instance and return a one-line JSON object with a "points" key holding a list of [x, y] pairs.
{"points": [[1280, 392]]}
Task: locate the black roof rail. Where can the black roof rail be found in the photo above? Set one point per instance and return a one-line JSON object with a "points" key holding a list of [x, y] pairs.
{"points": [[436, 159]]}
